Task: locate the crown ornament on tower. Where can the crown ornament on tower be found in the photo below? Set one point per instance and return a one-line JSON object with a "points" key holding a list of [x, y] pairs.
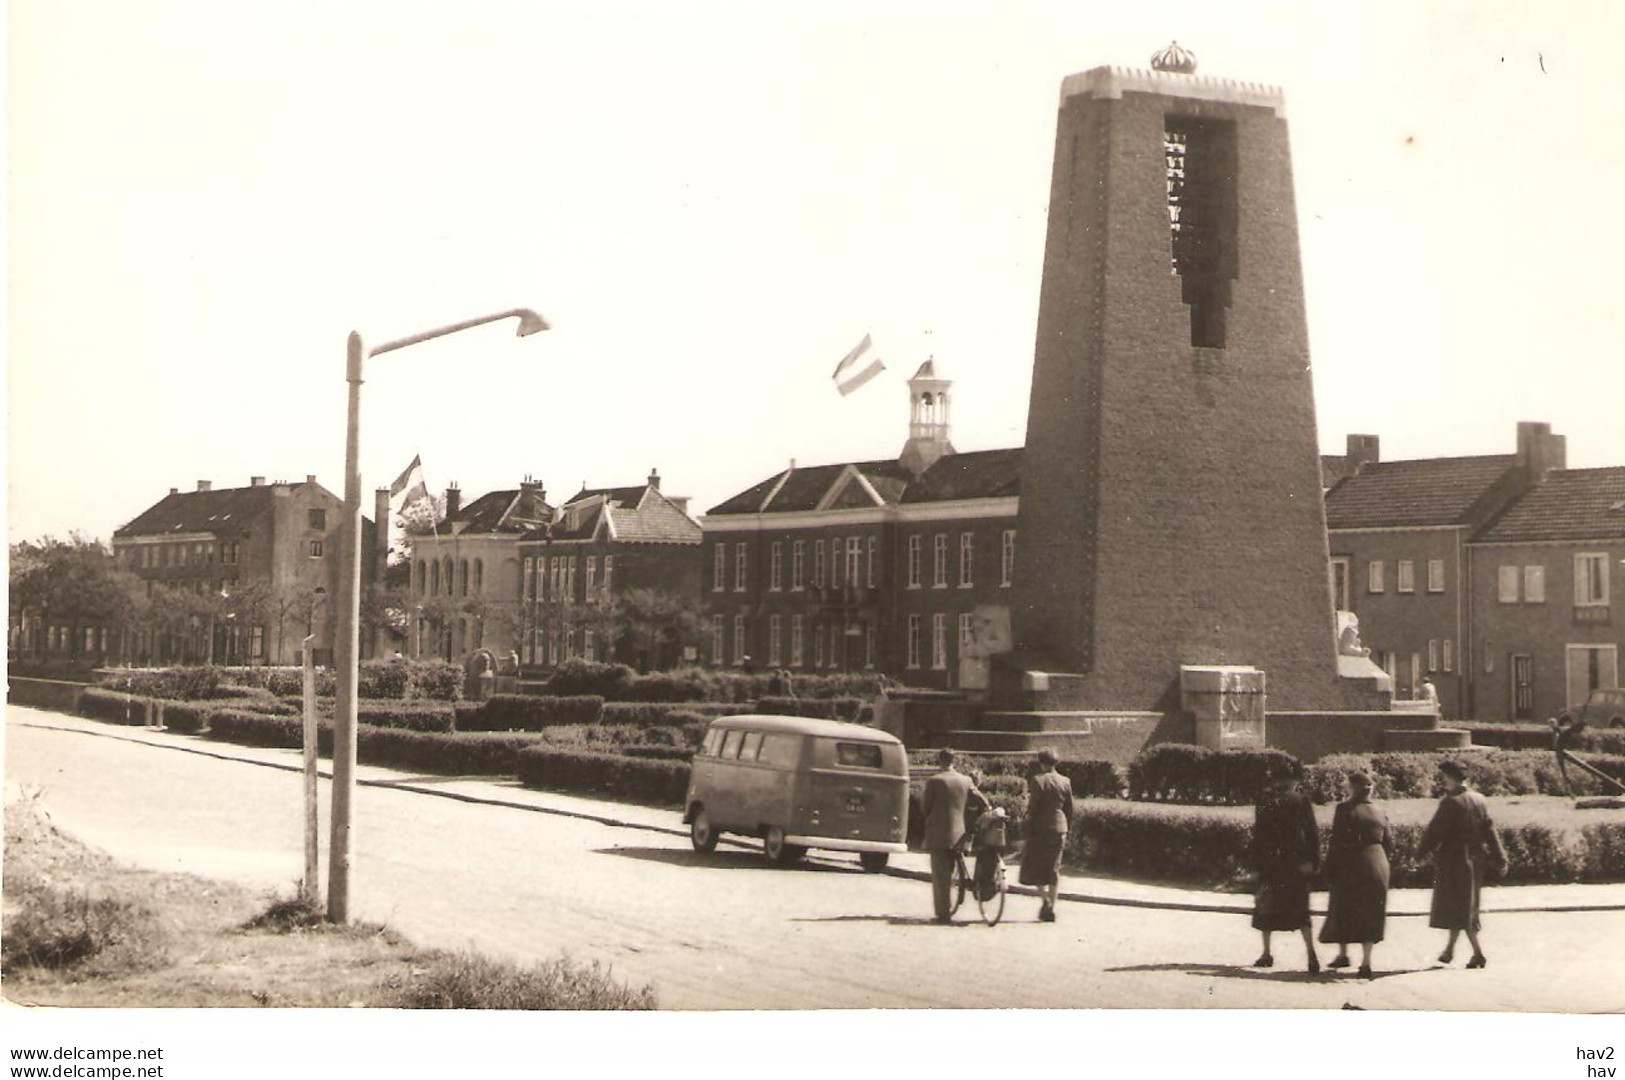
{"points": [[1175, 59]]}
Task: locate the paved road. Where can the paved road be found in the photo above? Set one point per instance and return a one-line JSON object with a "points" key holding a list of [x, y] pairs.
{"points": [[727, 931]]}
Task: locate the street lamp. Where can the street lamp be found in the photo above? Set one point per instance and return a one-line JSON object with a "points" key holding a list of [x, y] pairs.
{"points": [[347, 645]]}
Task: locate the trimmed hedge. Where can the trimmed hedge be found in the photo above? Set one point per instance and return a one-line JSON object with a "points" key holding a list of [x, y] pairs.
{"points": [[617, 682], [171, 684], [484, 755], [646, 714], [838, 708], [186, 717], [1174, 772], [99, 704], [646, 780], [1197, 846], [523, 712], [1539, 737], [1493, 772], [430, 679]]}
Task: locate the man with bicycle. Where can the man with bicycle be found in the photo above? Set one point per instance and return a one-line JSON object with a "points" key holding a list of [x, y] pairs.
{"points": [[947, 796]]}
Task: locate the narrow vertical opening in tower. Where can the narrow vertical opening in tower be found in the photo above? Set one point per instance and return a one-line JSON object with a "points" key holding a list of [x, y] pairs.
{"points": [[1200, 160]]}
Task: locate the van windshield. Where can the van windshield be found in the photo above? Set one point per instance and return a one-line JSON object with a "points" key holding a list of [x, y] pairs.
{"points": [[858, 755]]}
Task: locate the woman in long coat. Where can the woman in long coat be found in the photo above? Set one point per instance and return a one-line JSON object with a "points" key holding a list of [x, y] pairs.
{"points": [[1462, 839], [1286, 851], [1357, 873]]}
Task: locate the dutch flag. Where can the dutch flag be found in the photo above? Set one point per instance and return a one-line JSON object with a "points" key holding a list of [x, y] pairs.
{"points": [[859, 366]]}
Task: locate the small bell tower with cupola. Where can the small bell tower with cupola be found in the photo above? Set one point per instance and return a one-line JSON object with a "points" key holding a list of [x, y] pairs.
{"points": [[928, 400]]}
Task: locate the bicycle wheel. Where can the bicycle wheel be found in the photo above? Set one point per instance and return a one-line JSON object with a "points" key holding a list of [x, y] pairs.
{"points": [[956, 884], [992, 908]]}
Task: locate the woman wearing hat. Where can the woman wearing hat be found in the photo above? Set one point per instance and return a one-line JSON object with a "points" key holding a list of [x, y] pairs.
{"points": [[1357, 874], [1464, 844], [1286, 851]]}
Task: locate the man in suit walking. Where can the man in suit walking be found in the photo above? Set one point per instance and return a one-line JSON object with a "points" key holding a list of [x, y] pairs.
{"points": [[1049, 817], [944, 801]]}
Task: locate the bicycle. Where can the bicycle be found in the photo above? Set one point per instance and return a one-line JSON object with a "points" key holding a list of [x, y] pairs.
{"points": [[988, 883]]}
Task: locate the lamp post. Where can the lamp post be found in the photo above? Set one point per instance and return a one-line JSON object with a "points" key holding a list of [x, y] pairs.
{"points": [[347, 644]]}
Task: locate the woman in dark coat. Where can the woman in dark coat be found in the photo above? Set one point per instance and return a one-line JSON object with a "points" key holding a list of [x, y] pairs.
{"points": [[1286, 851], [1357, 873], [1462, 839]]}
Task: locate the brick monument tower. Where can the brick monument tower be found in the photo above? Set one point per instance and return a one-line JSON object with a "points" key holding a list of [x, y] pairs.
{"points": [[1171, 513]]}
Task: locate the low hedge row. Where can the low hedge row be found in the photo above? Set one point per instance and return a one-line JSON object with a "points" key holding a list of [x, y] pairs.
{"points": [[644, 779], [649, 714], [1174, 772], [397, 679], [838, 708], [524, 712], [1539, 737], [617, 682], [111, 705], [482, 755], [1492, 772], [1188, 844], [621, 737]]}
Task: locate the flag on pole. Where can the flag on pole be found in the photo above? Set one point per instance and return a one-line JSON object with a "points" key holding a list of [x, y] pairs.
{"points": [[859, 366], [410, 481]]}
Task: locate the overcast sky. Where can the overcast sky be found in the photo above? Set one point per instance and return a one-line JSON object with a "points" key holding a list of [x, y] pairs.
{"points": [[713, 203]]}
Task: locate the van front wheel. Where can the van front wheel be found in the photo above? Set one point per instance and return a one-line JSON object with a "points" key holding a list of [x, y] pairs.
{"points": [[701, 832], [873, 861], [774, 847]]}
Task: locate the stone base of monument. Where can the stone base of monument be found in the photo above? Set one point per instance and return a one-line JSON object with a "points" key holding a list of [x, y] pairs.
{"points": [[1072, 733]]}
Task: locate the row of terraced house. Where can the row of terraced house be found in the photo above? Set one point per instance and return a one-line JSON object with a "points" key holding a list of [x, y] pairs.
{"points": [[1491, 576]]}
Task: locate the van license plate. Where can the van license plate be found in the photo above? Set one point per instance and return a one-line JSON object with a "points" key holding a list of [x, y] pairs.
{"points": [[856, 803]]}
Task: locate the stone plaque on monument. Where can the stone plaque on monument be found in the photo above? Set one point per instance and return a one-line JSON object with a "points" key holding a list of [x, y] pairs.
{"points": [[1227, 702]]}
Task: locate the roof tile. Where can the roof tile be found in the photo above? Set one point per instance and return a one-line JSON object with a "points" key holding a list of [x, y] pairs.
{"points": [[1429, 491], [1570, 504]]}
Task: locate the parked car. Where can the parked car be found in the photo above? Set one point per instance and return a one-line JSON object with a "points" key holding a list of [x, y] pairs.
{"points": [[798, 784], [1604, 708]]}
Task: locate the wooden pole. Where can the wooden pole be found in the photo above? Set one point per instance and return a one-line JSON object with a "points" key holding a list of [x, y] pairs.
{"points": [[345, 658], [310, 887]]}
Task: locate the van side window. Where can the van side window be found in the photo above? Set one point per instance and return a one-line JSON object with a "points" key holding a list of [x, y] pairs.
{"points": [[709, 747], [858, 755], [784, 750], [730, 743], [751, 746]]}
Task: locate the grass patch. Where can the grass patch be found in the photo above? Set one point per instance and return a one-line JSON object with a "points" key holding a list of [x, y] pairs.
{"points": [[469, 981], [80, 930]]}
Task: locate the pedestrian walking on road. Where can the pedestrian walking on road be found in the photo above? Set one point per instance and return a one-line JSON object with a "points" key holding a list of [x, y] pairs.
{"points": [[946, 797], [1357, 874], [1049, 818], [1286, 852], [1464, 845]]}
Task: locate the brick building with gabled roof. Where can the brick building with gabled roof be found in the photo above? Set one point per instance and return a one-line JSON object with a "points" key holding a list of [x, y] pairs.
{"points": [[600, 545], [281, 537], [884, 564], [1545, 573]]}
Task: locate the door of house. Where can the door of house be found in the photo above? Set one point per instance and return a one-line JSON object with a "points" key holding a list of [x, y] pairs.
{"points": [[1523, 687]]}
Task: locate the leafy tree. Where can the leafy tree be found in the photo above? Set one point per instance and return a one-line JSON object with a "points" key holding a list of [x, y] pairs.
{"points": [[75, 583], [654, 625]]}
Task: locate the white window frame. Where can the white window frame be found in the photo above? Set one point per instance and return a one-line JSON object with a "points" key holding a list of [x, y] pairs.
{"points": [[1584, 594], [775, 640], [818, 564], [872, 571], [1007, 558], [939, 642], [592, 574], [854, 560], [967, 559], [1435, 575], [1374, 582], [939, 561], [798, 566], [739, 567], [967, 632], [739, 640], [609, 573], [914, 544], [1534, 583], [530, 566], [1506, 584], [913, 643], [1433, 655], [1340, 596], [775, 567], [719, 644], [1405, 576], [1447, 656], [797, 632], [719, 568]]}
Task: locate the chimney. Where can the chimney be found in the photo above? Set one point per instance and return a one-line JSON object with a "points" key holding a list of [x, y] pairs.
{"points": [[454, 499], [1539, 451], [1362, 450], [174, 491], [204, 485], [310, 478], [654, 479], [256, 481], [533, 488]]}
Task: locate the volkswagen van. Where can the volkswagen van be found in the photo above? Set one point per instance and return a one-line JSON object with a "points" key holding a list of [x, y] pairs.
{"points": [[800, 783]]}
